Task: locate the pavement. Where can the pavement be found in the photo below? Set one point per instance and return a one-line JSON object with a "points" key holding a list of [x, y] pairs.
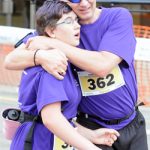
{"points": [[8, 98]]}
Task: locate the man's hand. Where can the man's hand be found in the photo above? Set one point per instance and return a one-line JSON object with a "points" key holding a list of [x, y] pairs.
{"points": [[53, 61]]}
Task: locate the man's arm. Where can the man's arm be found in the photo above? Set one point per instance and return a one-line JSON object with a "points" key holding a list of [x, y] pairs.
{"points": [[98, 63], [21, 58]]}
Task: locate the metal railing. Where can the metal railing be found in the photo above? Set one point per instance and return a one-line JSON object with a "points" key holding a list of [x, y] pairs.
{"points": [[113, 3]]}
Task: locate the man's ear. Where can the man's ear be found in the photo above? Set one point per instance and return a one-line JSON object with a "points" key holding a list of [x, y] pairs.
{"points": [[50, 32]]}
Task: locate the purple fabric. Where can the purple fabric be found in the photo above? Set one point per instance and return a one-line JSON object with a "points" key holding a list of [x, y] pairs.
{"points": [[30, 36], [115, 35], [38, 89]]}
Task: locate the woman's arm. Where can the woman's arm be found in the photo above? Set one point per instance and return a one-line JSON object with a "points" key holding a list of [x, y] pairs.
{"points": [[54, 120]]}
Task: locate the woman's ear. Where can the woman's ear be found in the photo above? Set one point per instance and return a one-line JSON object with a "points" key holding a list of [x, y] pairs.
{"points": [[50, 32]]}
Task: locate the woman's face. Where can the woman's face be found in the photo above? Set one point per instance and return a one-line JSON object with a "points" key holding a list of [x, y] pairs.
{"points": [[67, 29]]}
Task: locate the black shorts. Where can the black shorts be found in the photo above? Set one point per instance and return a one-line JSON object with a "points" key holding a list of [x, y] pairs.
{"points": [[132, 137]]}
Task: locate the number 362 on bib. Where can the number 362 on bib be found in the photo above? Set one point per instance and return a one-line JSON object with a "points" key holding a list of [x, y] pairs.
{"points": [[93, 85]]}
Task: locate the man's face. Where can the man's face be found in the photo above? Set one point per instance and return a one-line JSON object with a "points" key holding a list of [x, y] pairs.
{"points": [[85, 10]]}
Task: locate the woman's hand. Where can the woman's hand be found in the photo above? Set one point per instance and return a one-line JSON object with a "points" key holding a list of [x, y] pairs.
{"points": [[102, 136], [105, 136]]}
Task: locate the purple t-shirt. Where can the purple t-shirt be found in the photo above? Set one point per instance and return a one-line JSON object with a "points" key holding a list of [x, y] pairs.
{"points": [[113, 33], [38, 89]]}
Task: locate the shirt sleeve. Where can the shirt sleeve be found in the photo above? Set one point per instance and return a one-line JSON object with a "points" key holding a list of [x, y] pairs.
{"points": [[119, 38], [50, 90], [33, 34]]}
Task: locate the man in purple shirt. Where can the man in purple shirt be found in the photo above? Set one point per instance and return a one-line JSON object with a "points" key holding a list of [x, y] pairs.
{"points": [[108, 84]]}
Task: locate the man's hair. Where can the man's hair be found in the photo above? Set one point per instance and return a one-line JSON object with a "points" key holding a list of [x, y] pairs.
{"points": [[49, 13]]}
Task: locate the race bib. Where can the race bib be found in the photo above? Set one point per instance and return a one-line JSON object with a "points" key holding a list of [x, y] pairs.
{"points": [[61, 145], [93, 85]]}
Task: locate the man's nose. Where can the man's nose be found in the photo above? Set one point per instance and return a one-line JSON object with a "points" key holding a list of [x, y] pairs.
{"points": [[83, 2]]}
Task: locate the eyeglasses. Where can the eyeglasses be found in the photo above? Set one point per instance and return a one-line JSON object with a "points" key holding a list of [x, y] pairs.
{"points": [[68, 20]]}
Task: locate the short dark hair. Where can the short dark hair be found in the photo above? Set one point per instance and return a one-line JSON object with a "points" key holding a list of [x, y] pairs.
{"points": [[49, 13]]}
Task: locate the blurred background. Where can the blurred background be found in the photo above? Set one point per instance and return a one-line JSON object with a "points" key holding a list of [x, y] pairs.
{"points": [[17, 19]]}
